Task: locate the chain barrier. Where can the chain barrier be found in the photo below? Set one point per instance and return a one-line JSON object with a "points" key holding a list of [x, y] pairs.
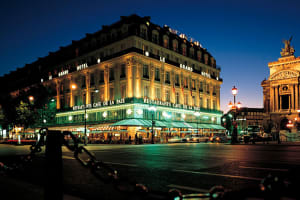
{"points": [[24, 160]]}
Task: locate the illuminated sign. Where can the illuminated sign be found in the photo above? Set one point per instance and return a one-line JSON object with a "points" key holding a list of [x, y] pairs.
{"points": [[62, 73], [82, 66], [169, 104], [205, 74], [162, 59], [100, 104], [182, 66]]}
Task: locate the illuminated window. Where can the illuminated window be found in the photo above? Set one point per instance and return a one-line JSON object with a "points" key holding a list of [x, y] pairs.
{"points": [[176, 79], [193, 100], [157, 74], [199, 56], [157, 93], [111, 74], [185, 82], [144, 32], [185, 99], [191, 52], [145, 71], [101, 77], [111, 93], [183, 49], [167, 78], [175, 45], [92, 79], [177, 98], [166, 41], [201, 102], [155, 37], [123, 73], [146, 91], [208, 104], [123, 91], [167, 95], [101, 94], [193, 84]]}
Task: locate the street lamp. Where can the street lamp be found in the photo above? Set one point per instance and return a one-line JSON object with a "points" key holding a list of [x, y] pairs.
{"points": [[73, 87], [234, 106], [197, 114], [152, 109]]}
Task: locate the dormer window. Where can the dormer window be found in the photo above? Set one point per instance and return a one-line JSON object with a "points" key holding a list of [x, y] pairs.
{"points": [[175, 45], [166, 41]]}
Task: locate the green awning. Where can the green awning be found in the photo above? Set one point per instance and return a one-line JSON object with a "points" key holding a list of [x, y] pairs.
{"points": [[159, 124], [219, 127], [132, 122], [178, 125]]}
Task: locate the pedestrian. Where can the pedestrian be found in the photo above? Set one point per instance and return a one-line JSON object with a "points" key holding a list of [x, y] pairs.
{"points": [[136, 138], [129, 139]]}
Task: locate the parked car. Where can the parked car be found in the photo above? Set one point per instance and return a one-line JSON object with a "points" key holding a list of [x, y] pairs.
{"points": [[218, 137], [254, 137], [175, 139], [196, 138]]}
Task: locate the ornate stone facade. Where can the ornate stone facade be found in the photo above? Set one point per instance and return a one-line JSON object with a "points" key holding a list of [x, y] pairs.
{"points": [[281, 90]]}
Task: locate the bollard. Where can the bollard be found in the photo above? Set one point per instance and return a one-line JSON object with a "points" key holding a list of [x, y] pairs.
{"points": [[54, 175]]}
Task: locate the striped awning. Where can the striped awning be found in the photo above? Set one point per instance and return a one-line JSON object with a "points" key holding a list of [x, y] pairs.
{"points": [[132, 122]]}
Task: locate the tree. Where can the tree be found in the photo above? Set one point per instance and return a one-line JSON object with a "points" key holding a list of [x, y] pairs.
{"points": [[24, 115]]}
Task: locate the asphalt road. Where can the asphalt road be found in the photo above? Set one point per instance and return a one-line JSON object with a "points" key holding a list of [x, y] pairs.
{"points": [[188, 167]]}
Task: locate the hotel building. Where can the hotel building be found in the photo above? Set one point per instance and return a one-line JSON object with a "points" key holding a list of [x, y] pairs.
{"points": [[128, 78]]}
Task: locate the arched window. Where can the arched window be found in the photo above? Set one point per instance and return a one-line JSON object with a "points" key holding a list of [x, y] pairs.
{"points": [[175, 45], [155, 36], [166, 41], [143, 31]]}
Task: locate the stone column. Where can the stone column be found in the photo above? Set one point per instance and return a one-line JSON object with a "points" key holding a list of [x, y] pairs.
{"points": [[57, 94], [172, 82], [163, 82], [292, 96], [138, 81], [106, 83], [296, 96], [272, 99], [87, 90], [72, 103], [152, 76], [276, 99]]}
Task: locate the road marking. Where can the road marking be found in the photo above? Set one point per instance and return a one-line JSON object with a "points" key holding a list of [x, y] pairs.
{"points": [[113, 163], [262, 168], [223, 175], [188, 188], [69, 157]]}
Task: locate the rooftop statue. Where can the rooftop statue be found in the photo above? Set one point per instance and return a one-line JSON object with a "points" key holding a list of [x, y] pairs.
{"points": [[288, 50]]}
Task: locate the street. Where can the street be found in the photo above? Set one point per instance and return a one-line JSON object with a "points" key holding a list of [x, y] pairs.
{"points": [[188, 167]]}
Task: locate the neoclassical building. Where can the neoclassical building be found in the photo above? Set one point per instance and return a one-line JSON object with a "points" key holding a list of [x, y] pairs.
{"points": [[108, 80], [281, 90]]}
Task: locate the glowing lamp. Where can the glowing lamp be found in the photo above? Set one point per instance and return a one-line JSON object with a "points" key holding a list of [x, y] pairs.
{"points": [[230, 105], [239, 105], [234, 90], [73, 86], [31, 98]]}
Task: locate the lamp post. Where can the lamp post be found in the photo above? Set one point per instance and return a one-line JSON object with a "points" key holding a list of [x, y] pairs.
{"points": [[152, 109], [73, 87], [234, 106], [197, 114]]}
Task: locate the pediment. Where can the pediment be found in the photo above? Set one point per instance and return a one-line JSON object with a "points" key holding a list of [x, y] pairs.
{"points": [[286, 74]]}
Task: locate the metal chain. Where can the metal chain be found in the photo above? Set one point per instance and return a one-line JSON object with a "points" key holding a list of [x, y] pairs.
{"points": [[35, 148], [101, 170]]}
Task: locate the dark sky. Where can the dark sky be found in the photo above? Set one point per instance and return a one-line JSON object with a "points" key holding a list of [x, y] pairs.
{"points": [[243, 36]]}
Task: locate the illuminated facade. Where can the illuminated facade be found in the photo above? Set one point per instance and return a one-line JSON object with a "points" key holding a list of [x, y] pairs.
{"points": [[116, 74], [281, 90]]}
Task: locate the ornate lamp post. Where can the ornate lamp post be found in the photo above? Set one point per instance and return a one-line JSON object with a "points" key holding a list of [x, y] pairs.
{"points": [[234, 107], [152, 109]]}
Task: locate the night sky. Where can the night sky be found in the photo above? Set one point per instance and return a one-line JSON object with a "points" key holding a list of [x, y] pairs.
{"points": [[243, 36]]}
